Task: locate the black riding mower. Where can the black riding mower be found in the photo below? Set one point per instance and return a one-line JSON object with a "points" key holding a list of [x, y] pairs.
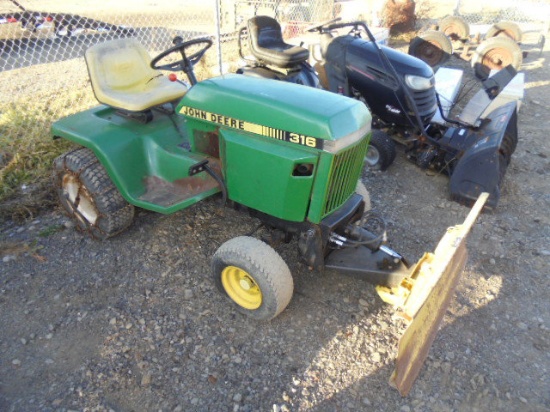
{"points": [[400, 91]]}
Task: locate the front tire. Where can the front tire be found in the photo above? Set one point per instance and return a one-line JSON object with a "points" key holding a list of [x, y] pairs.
{"points": [[89, 196], [381, 151], [253, 276], [432, 47]]}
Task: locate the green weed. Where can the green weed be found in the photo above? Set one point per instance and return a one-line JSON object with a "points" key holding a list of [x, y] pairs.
{"points": [[50, 230]]}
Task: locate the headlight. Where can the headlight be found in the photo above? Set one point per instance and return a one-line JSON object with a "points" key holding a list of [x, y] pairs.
{"points": [[418, 82]]}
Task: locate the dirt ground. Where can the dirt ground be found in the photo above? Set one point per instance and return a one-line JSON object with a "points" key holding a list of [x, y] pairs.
{"points": [[135, 323]]}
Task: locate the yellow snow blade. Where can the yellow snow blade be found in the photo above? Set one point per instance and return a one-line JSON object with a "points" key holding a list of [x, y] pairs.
{"points": [[424, 296]]}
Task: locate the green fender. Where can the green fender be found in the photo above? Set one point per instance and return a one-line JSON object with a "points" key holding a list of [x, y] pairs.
{"points": [[131, 152]]}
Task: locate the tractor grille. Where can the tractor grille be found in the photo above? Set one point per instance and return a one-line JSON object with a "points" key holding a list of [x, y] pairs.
{"points": [[344, 173], [426, 102]]}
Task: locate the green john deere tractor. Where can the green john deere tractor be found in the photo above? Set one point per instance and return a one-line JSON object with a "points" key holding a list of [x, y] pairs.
{"points": [[289, 155]]}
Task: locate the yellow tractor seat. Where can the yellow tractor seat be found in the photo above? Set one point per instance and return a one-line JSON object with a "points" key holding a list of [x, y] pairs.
{"points": [[121, 77]]}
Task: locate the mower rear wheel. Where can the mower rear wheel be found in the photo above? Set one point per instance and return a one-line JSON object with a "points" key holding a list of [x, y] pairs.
{"points": [[89, 196], [381, 151], [432, 47], [253, 276], [496, 53]]}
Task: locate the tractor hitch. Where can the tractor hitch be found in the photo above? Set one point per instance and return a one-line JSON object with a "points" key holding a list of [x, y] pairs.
{"points": [[381, 267], [361, 252]]}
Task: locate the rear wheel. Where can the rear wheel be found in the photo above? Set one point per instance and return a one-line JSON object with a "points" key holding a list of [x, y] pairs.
{"points": [[455, 28], [432, 47], [381, 151], [88, 195], [253, 276], [505, 28], [496, 53]]}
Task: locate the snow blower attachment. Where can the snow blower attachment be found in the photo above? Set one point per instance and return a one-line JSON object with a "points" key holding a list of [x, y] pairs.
{"points": [[487, 153], [479, 151]]}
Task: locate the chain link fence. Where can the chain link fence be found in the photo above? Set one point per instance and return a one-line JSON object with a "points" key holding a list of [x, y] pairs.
{"points": [[42, 71], [528, 14], [44, 34], [526, 11]]}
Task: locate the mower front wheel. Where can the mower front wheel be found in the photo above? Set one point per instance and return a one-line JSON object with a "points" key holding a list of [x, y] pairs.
{"points": [[381, 151], [253, 276], [88, 195]]}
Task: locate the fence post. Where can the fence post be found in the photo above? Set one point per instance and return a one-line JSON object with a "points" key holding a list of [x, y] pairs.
{"points": [[457, 7], [218, 35]]}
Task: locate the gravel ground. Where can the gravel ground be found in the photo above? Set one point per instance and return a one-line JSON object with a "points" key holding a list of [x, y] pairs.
{"points": [[135, 323]]}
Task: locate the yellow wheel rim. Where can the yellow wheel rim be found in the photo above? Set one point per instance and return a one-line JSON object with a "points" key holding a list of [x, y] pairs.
{"points": [[241, 287]]}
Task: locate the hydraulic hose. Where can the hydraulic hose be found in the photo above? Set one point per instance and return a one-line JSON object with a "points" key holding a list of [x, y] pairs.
{"points": [[358, 235]]}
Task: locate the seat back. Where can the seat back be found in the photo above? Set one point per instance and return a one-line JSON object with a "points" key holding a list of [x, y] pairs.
{"points": [[121, 76], [121, 64], [265, 33], [267, 44]]}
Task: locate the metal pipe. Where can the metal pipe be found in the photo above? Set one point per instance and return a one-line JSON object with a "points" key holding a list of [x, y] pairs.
{"points": [[218, 35]]}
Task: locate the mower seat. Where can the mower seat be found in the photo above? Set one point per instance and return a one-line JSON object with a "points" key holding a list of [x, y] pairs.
{"points": [[267, 44], [122, 77]]}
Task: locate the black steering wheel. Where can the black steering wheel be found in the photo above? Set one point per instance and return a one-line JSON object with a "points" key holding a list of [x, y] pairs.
{"points": [[318, 27], [186, 62]]}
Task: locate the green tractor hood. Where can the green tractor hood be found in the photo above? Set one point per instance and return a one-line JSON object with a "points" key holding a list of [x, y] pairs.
{"points": [[289, 151], [276, 109]]}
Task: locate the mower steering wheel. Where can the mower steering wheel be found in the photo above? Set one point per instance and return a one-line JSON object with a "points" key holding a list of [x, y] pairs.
{"points": [[319, 27], [185, 62]]}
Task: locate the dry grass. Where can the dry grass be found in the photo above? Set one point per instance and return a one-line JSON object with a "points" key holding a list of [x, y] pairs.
{"points": [[27, 151]]}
